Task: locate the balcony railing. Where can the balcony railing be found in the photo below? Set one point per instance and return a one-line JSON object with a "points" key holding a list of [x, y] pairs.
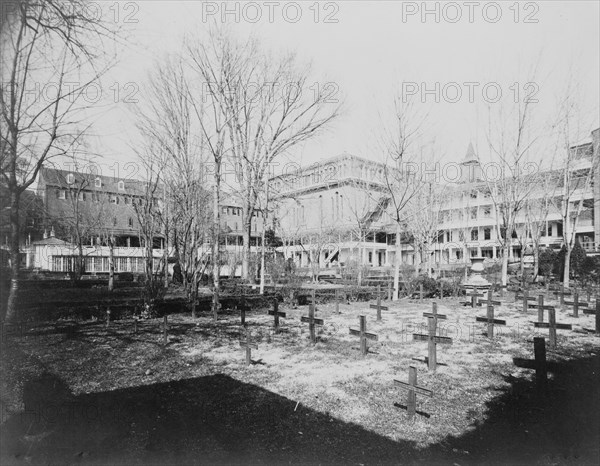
{"points": [[590, 246]]}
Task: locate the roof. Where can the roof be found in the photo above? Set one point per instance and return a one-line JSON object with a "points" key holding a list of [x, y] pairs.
{"points": [[58, 178], [51, 241], [470, 155]]}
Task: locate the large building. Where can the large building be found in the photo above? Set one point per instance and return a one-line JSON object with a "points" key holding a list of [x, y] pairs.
{"points": [[338, 212]]}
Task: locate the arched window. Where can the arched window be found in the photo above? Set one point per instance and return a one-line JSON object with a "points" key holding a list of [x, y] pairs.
{"points": [[121, 186], [70, 178]]}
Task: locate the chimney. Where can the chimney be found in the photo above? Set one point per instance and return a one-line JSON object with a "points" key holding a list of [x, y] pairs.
{"points": [[52, 232], [45, 234]]}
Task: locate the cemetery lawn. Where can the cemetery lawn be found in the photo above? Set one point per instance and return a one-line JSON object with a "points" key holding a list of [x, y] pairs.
{"points": [[122, 398]]}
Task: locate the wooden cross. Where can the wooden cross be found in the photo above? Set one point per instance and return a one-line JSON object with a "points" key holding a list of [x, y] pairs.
{"points": [[276, 314], [552, 326], [474, 295], [525, 297], [541, 368], [413, 389], [561, 293], [364, 335], [576, 304], [431, 338], [312, 321], [489, 300], [597, 312], [433, 314], [378, 306], [489, 318], [541, 307], [135, 324], [389, 291], [248, 345], [165, 329]]}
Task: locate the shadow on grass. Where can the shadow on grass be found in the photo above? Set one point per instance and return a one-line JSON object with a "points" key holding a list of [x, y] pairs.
{"points": [[218, 419]]}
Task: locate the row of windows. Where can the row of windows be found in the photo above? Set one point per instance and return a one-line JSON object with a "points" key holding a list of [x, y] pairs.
{"points": [[237, 211], [101, 264], [97, 197], [97, 182]]}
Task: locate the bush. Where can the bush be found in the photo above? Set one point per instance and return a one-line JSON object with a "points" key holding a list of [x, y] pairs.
{"points": [[546, 261]]}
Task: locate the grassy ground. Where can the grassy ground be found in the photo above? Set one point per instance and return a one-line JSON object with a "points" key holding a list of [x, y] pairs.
{"points": [[107, 395]]}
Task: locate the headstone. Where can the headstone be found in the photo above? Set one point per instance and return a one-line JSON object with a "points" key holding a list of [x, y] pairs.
{"points": [[364, 335], [412, 389], [552, 325]]}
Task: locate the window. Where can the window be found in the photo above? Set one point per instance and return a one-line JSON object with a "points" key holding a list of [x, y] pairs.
{"points": [[559, 229], [113, 199], [121, 186], [549, 229], [487, 233], [474, 235], [62, 194], [224, 210], [473, 194], [81, 196], [474, 213], [98, 183], [114, 221], [130, 222], [126, 199], [70, 178], [487, 212]]}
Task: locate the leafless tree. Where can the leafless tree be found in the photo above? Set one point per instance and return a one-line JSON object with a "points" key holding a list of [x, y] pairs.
{"points": [[55, 42], [268, 105], [402, 147]]}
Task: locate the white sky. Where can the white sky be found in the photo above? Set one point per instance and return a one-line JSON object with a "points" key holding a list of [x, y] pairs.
{"points": [[371, 50]]}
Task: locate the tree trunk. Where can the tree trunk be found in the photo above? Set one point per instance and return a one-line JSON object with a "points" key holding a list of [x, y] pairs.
{"points": [[111, 264], [247, 225], [567, 267], [505, 249], [15, 263], [216, 240], [397, 264]]}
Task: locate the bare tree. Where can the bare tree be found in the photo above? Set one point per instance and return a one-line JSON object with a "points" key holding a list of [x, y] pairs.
{"points": [[510, 139], [268, 107], [577, 173], [401, 143], [40, 42]]}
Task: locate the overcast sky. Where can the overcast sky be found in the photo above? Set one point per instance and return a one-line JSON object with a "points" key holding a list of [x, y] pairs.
{"points": [[368, 49]]}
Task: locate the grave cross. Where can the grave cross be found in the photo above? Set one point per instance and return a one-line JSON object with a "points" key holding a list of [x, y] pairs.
{"points": [[165, 330], [541, 368], [248, 345], [525, 297], [489, 318], [276, 314], [431, 338], [552, 326], [364, 335], [378, 306], [597, 312], [474, 295], [312, 321], [489, 300], [576, 304], [541, 307], [413, 389], [433, 314]]}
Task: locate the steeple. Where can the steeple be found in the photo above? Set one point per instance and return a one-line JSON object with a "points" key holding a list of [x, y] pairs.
{"points": [[470, 156]]}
